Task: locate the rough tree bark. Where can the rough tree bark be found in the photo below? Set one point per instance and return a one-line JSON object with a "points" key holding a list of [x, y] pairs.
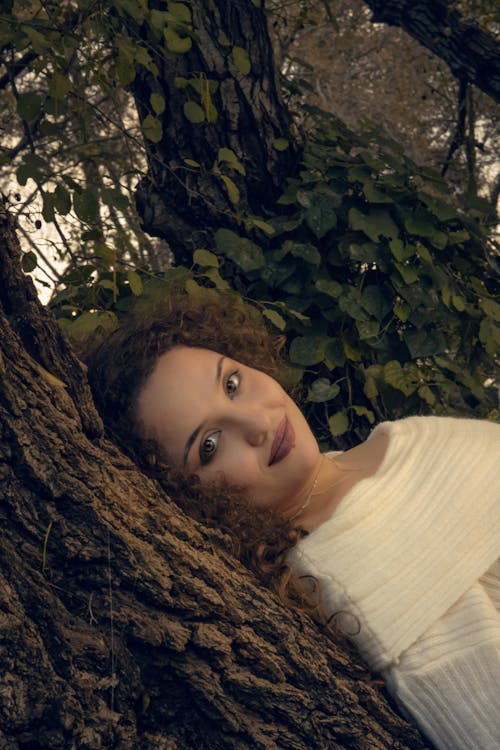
{"points": [[472, 54], [124, 624]]}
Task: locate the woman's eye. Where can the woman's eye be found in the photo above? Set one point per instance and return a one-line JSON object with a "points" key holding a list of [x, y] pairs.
{"points": [[233, 383], [208, 447]]}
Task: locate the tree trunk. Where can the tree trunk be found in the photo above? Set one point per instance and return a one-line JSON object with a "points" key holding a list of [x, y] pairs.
{"points": [[247, 117], [123, 623], [472, 54]]}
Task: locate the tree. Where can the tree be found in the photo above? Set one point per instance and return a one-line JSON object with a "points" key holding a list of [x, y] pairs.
{"points": [[389, 301], [125, 624], [354, 68], [471, 53]]}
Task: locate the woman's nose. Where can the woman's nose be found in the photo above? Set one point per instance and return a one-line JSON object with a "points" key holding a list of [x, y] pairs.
{"points": [[254, 425]]}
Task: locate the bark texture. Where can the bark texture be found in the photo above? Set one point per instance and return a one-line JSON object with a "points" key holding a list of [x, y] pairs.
{"points": [[123, 624], [177, 199], [472, 54]]}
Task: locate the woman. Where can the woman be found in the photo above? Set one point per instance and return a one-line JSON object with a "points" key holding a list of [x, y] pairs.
{"points": [[402, 533]]}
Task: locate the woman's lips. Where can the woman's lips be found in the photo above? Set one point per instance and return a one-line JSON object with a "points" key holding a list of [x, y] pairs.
{"points": [[283, 442]]}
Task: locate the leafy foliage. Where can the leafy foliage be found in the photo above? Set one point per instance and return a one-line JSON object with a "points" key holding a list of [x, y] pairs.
{"points": [[388, 297]]}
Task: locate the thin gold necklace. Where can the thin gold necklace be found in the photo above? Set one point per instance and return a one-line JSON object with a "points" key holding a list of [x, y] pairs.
{"points": [[308, 498], [315, 482]]}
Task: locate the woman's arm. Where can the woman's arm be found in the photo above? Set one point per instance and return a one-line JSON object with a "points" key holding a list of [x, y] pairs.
{"points": [[448, 681]]}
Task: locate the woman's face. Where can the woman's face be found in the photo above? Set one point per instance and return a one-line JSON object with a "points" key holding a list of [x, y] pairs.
{"points": [[230, 424]]}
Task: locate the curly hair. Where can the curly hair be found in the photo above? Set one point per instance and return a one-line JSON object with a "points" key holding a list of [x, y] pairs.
{"points": [[118, 370]]}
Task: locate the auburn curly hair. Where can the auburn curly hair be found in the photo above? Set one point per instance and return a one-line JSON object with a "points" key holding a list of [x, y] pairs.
{"points": [[118, 369]]}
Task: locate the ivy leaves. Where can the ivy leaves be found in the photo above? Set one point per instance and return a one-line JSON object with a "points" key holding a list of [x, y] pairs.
{"points": [[380, 271]]}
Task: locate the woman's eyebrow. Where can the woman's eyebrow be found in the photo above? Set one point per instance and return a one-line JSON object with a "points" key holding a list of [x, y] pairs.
{"points": [[196, 432]]}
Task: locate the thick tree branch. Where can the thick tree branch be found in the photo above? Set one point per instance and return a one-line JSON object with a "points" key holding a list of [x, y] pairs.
{"points": [[459, 134], [471, 53], [125, 624]]}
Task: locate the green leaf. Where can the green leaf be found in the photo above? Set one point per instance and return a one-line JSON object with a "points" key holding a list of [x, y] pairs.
{"points": [[443, 211], [374, 195], [48, 206], [214, 275], [62, 200], [334, 354], [158, 19], [227, 156], [322, 390], [135, 283], [193, 112], [425, 343], [152, 129], [351, 352], [253, 221], [39, 42], [427, 395], [175, 43], [409, 274], [375, 224], [88, 323], [132, 7], [491, 308], [321, 216], [308, 350], [223, 40], [458, 237], [362, 411], [29, 106], [281, 144], [114, 197], [458, 302], [329, 287], [157, 103], [307, 252], [198, 292], [370, 388], [59, 86], [55, 107], [402, 311], [241, 60], [489, 334], [180, 82], [338, 423], [420, 223], [125, 69], [404, 379], [180, 12], [107, 255], [86, 205], [439, 239], [29, 262], [351, 302], [205, 258], [401, 251], [275, 318], [192, 163], [367, 329], [375, 302], [242, 251], [232, 190]]}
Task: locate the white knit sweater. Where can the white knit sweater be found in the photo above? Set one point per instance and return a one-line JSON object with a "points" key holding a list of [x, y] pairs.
{"points": [[401, 564]]}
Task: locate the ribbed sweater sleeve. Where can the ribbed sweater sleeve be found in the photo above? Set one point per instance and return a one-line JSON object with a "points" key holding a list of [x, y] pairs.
{"points": [[405, 544], [449, 679]]}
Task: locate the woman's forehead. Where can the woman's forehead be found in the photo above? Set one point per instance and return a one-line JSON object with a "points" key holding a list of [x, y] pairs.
{"points": [[179, 389]]}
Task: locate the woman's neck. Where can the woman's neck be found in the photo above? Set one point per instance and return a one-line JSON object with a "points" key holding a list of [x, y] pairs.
{"points": [[336, 476]]}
